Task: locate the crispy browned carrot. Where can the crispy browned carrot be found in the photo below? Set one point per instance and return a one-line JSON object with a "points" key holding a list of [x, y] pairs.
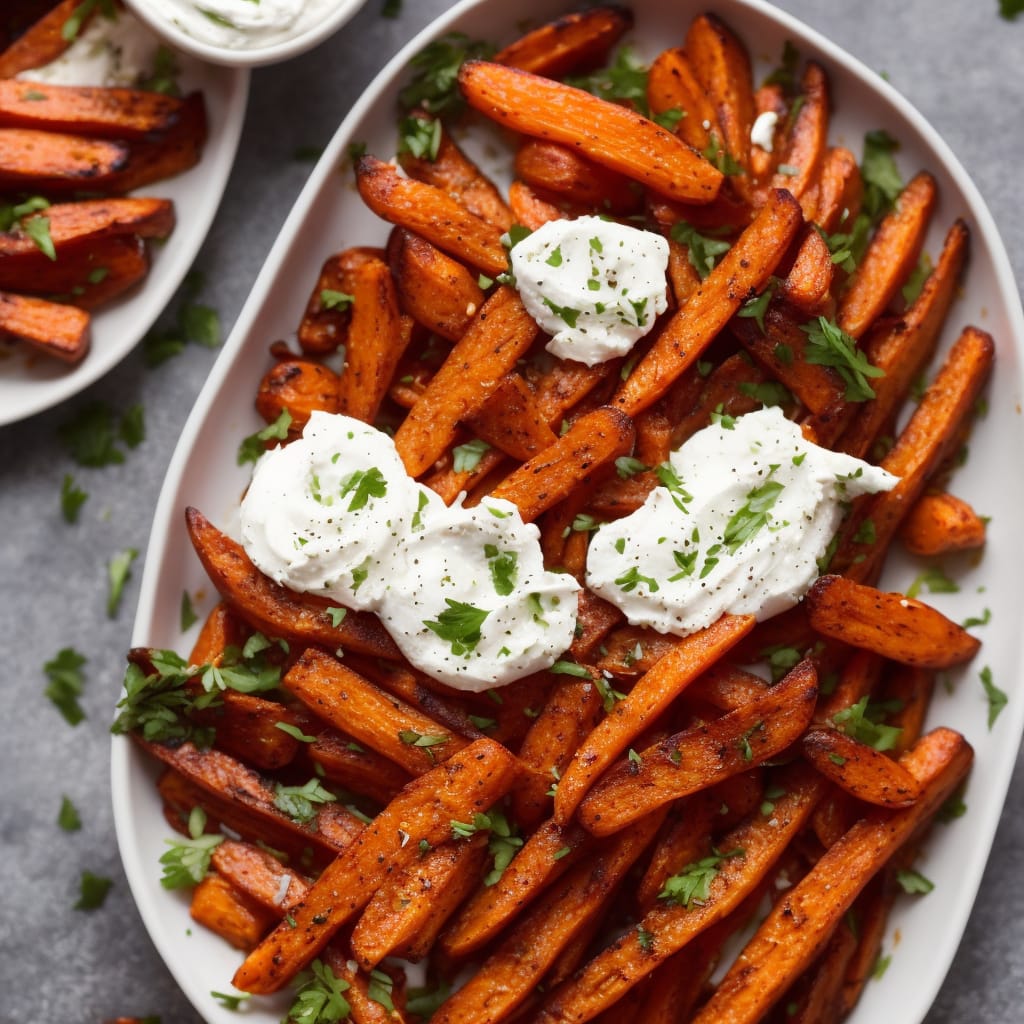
{"points": [[816, 997], [275, 610], [41, 43], [350, 765], [859, 769], [500, 334], [890, 257], [552, 168], [324, 324], [897, 627], [511, 420], [53, 328], [743, 271], [429, 211], [808, 284], [910, 690], [420, 898], [229, 913], [436, 291], [672, 86], [513, 970], [55, 161], [703, 755], [591, 442], [595, 619], [88, 110], [633, 650], [221, 629], [578, 40], [450, 170], [799, 925], [806, 145], [300, 386], [259, 874], [620, 966], [529, 209], [605, 132], [469, 782], [247, 728], [942, 522], [650, 696]]}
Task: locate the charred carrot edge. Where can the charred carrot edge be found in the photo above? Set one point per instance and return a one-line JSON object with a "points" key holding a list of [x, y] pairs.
{"points": [[41, 43], [300, 386], [859, 769], [50, 327]]}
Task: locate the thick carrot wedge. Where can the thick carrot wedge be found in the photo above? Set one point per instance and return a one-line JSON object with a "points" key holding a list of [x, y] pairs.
{"points": [[672, 85], [604, 132], [744, 270], [651, 695], [578, 40], [805, 148], [273, 609], [469, 782], [41, 43], [300, 386], [54, 161], [324, 324], [49, 327], [229, 913], [940, 523], [511, 420], [353, 767], [859, 769], [258, 874]]}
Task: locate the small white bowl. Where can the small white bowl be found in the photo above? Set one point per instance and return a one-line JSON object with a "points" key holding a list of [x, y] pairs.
{"points": [[245, 56]]}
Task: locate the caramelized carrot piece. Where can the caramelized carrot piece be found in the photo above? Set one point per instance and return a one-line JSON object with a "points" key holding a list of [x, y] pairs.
{"points": [[49, 327]]}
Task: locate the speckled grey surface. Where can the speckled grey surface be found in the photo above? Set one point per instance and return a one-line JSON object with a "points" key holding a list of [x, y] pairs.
{"points": [[958, 62]]}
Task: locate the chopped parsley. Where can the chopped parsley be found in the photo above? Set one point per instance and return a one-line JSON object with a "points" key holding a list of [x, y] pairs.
{"points": [[92, 891], [119, 569], [624, 80], [503, 843], [756, 307], [187, 614], [466, 457], [785, 74], [187, 862], [335, 300], [693, 883], [459, 624], [423, 740], [997, 698], [974, 620], [632, 578], [626, 466], [379, 989], [562, 667], [91, 436], [253, 446], [295, 732], [503, 566], [748, 520], [718, 156], [935, 580], [829, 345], [423, 1002], [768, 392], [861, 721], [703, 251], [669, 478], [435, 71], [609, 695], [420, 136], [298, 801], [319, 997], [337, 615], [68, 817], [363, 485], [914, 883], [72, 498], [912, 289], [27, 217], [882, 180], [644, 938], [66, 683], [781, 658], [163, 77], [1009, 9]]}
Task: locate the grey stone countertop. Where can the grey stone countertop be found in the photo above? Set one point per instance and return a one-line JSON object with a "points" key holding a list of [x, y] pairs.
{"points": [[958, 62]]}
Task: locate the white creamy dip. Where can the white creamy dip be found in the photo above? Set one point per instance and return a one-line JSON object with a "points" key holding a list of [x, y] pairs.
{"points": [[106, 52], [243, 24], [747, 508], [463, 592], [762, 132], [595, 286]]}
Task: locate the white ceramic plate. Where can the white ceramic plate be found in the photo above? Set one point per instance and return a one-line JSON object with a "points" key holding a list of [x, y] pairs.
{"points": [[30, 382], [203, 473]]}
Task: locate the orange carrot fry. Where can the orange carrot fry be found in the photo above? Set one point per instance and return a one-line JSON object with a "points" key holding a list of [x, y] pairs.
{"points": [[467, 783], [650, 696], [806, 147], [703, 755], [859, 769], [258, 874], [41, 43], [50, 327], [672, 85], [511, 419], [324, 324], [605, 132], [300, 386], [353, 767], [744, 270], [939, 523], [229, 913]]}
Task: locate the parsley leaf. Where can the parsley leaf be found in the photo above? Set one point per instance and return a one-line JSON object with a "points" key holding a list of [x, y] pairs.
{"points": [[882, 180], [693, 883], [466, 457], [66, 683], [423, 1002], [912, 289], [703, 251], [624, 80], [913, 882], [756, 307], [253, 447], [563, 667], [187, 613], [626, 466], [459, 624], [163, 77], [379, 989], [503, 566], [119, 570], [935, 579], [435, 71], [319, 997], [860, 721], [785, 73], [978, 620], [187, 862], [748, 520], [365, 484], [1009, 9], [297, 801], [68, 817], [829, 345], [420, 136], [72, 498], [90, 437], [93, 891], [997, 698], [609, 696], [767, 392]]}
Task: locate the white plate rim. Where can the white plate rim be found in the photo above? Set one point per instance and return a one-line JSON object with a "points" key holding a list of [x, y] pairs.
{"points": [[956, 903], [204, 186]]}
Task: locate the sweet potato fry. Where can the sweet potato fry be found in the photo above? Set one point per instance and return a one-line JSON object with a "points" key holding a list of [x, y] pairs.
{"points": [[384, 723], [86, 110], [514, 969], [228, 912], [432, 213], [375, 343], [743, 271], [551, 168], [605, 132], [49, 327], [672, 85], [939, 523], [651, 695], [421, 898], [54, 161], [455, 174], [275, 610], [471, 781], [703, 755], [721, 65], [859, 769], [511, 420], [544, 858], [500, 334], [591, 442], [300, 386], [620, 966], [578, 40], [897, 627], [891, 255], [41, 43], [436, 291], [799, 925], [258, 874]]}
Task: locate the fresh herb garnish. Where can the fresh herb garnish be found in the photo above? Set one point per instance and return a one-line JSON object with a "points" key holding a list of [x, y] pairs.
{"points": [[503, 566], [703, 251], [466, 457], [252, 447], [459, 624], [997, 698], [624, 80], [68, 817], [119, 569], [935, 580], [92, 891], [72, 498], [829, 345], [420, 136], [435, 71], [861, 721], [298, 801], [882, 180], [66, 683], [187, 862], [693, 883], [319, 997], [913, 882], [748, 520]]}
